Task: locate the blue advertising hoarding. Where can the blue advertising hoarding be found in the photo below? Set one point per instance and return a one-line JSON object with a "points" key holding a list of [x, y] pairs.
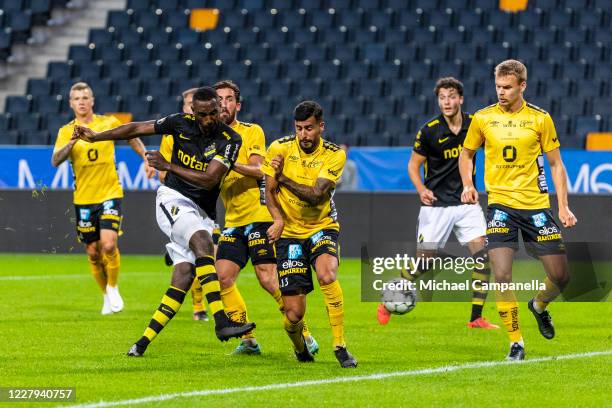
{"points": [[379, 169]]}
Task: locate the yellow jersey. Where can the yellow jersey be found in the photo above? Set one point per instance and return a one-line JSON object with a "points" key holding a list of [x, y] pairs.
{"points": [[326, 161], [514, 144], [244, 197], [93, 164]]}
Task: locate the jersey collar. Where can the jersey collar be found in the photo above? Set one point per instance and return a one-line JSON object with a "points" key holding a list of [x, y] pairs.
{"points": [[503, 112], [465, 117]]}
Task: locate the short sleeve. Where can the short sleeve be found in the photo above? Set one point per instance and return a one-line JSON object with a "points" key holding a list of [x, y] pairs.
{"points": [[257, 143], [332, 168], [548, 137], [167, 125], [274, 150], [474, 138], [165, 148], [63, 137], [228, 153], [420, 146]]}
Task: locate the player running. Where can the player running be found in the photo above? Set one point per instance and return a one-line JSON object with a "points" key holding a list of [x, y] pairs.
{"points": [[97, 192], [203, 152], [301, 172], [515, 135], [246, 221], [437, 146]]}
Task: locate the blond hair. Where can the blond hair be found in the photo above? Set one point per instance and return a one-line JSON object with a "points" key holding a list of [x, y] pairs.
{"points": [[512, 67], [188, 92], [79, 86]]}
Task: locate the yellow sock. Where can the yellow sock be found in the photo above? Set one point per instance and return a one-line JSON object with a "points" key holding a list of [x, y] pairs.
{"points": [[294, 331], [97, 271], [170, 305], [197, 296], [544, 297], [113, 261], [235, 307], [207, 276], [278, 297], [507, 306], [334, 303]]}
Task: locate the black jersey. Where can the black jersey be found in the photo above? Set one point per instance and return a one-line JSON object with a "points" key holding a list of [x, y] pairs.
{"points": [[441, 147], [194, 150]]}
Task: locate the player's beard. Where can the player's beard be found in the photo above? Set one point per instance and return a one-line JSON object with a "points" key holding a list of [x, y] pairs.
{"points": [[228, 117]]}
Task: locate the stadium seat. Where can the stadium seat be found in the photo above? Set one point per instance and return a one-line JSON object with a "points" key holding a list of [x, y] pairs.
{"points": [[34, 137], [169, 105], [26, 121], [17, 104], [40, 86], [47, 104], [587, 124]]}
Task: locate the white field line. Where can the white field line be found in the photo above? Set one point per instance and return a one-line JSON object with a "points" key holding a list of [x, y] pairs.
{"points": [[74, 276], [336, 380]]}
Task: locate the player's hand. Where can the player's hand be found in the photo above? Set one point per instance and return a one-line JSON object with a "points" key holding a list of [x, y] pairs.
{"points": [[275, 230], [567, 217], [156, 160], [469, 195], [84, 133], [149, 171], [427, 197], [277, 164]]}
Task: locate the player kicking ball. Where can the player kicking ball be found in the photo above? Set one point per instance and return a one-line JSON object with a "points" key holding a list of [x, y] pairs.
{"points": [[437, 146], [204, 150]]}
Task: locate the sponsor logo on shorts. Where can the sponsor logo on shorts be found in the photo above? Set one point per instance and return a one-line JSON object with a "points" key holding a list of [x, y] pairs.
{"points": [[174, 210], [499, 215], [84, 224], [262, 252], [108, 205], [539, 219], [254, 235], [295, 251], [85, 213], [292, 267], [228, 231], [549, 234], [227, 238], [247, 230]]}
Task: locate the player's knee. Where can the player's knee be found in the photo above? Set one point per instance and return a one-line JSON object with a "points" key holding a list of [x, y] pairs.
{"points": [[92, 252], [294, 314], [326, 276], [225, 279], [201, 244], [108, 246]]}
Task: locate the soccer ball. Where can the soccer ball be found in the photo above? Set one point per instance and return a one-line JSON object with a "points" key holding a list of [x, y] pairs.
{"points": [[397, 298]]}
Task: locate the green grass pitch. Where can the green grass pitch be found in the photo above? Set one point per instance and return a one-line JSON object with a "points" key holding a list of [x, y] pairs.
{"points": [[52, 335]]}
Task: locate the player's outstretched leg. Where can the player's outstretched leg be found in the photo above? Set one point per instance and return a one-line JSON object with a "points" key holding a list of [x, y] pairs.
{"points": [[170, 305], [225, 328], [236, 310]]}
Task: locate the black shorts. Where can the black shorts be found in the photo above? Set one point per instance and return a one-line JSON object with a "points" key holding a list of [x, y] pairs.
{"points": [[295, 256], [541, 234], [238, 244], [92, 218]]}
